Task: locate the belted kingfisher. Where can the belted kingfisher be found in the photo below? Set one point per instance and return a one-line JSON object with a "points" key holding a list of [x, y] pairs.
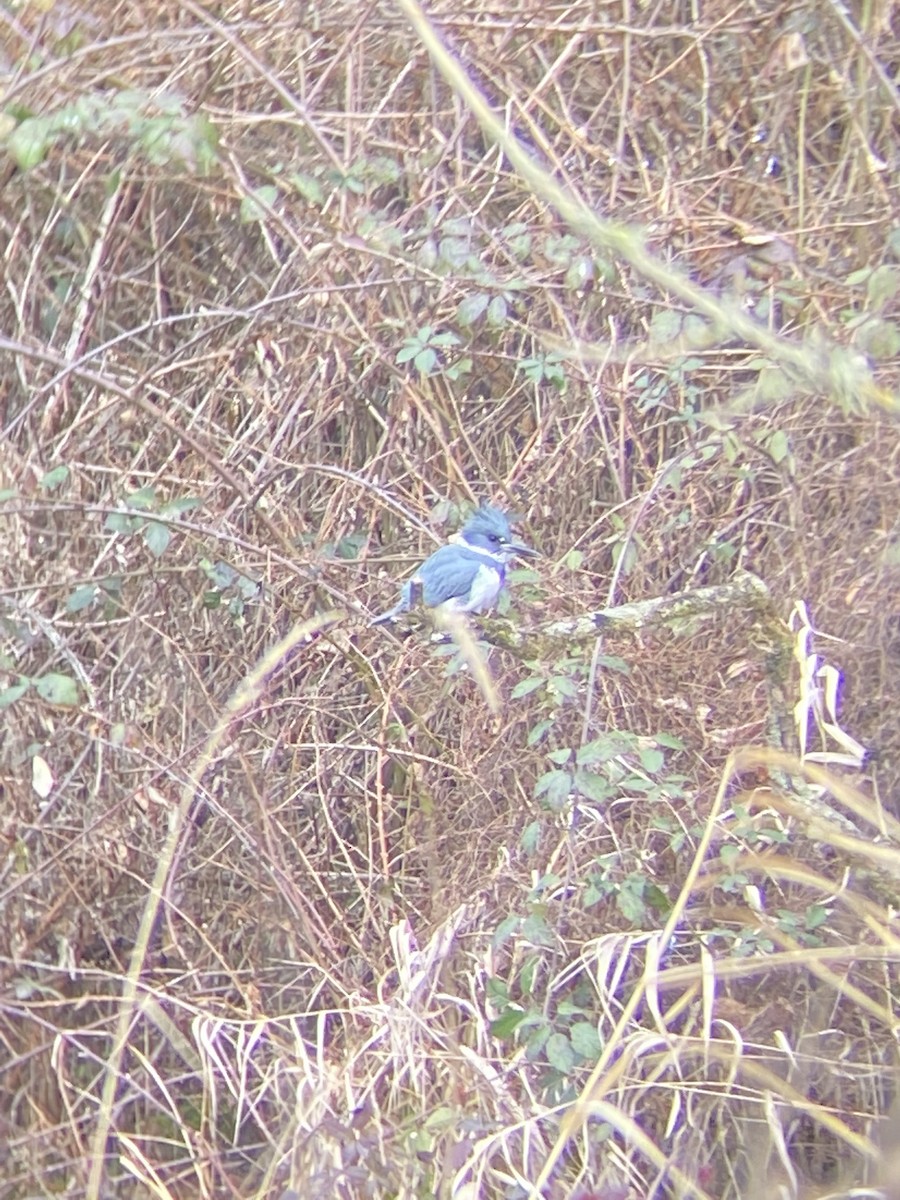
{"points": [[467, 574]]}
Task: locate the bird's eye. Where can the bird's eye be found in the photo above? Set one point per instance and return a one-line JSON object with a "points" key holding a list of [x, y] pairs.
{"points": [[495, 538]]}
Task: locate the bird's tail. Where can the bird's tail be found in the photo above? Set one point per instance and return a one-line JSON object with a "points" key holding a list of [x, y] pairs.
{"points": [[391, 615]]}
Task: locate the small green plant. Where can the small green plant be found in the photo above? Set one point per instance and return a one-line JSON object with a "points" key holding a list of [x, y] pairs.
{"points": [[640, 901], [494, 309], [561, 683], [677, 835], [803, 926], [676, 390], [106, 592], [555, 1017], [427, 349], [159, 125], [55, 688], [610, 766], [156, 533], [229, 587], [558, 1031], [55, 479], [742, 942], [872, 317], [546, 368], [750, 829]]}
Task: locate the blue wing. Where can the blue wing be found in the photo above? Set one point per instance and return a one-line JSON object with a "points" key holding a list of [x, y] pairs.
{"points": [[455, 573]]}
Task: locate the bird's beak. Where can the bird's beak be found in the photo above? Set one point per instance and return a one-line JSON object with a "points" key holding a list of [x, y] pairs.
{"points": [[520, 550]]}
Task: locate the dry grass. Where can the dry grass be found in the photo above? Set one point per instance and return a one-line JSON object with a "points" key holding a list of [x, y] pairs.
{"points": [[278, 889]]}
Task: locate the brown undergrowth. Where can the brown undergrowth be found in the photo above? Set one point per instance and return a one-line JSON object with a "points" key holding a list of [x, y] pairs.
{"points": [[276, 310]]}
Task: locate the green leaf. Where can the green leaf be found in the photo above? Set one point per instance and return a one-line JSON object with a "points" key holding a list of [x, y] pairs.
{"points": [[560, 247], [524, 575], [83, 597], [560, 757], [563, 686], [112, 586], [497, 991], [630, 901], [143, 499], [574, 559], [601, 750], [699, 333], [612, 662], [58, 689], [723, 551], [174, 508], [539, 731], [531, 836], [350, 546], [593, 787], [535, 1044], [9, 695], [471, 308], [505, 930], [879, 338], [636, 783], [497, 313], [54, 479], [560, 1054], [507, 1024], [427, 254], [773, 385], [586, 1040], [454, 251], [255, 206], [119, 523], [657, 898], [883, 285], [203, 135], [555, 786], [526, 686], [536, 931], [665, 326], [652, 760], [461, 367], [518, 240], [816, 915], [528, 974], [729, 855], [425, 361], [157, 538], [309, 188], [457, 227], [444, 339], [29, 142], [219, 573], [778, 446], [545, 883]]}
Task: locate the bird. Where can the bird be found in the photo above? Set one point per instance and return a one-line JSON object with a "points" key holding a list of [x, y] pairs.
{"points": [[466, 575]]}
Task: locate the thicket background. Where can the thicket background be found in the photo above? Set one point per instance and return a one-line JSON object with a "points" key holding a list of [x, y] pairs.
{"points": [[275, 311]]}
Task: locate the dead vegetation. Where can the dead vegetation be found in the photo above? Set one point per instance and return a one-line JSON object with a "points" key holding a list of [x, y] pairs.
{"points": [[285, 906]]}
